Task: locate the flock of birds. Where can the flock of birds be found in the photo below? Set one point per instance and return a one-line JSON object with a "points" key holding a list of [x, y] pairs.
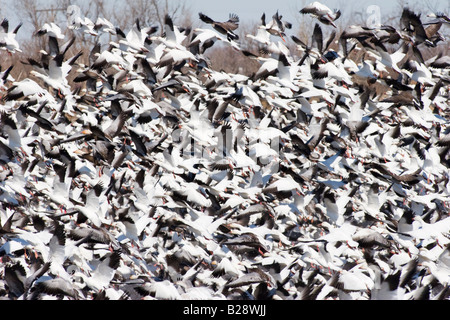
{"points": [[146, 174]]}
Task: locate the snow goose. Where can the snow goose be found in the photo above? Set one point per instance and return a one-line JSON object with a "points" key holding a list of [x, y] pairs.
{"points": [[172, 212], [226, 28], [93, 235], [334, 206], [173, 57], [56, 74], [135, 38], [36, 241], [59, 251], [354, 278], [334, 71], [55, 287], [318, 43], [262, 34], [205, 38], [389, 288], [105, 26], [441, 269], [246, 243], [252, 276], [418, 72], [322, 13], [102, 272], [15, 278], [20, 281], [357, 32], [366, 71], [173, 36], [440, 61], [51, 29], [110, 57], [193, 194], [286, 73], [423, 230], [341, 233], [76, 22], [227, 267], [163, 290], [387, 59], [370, 238], [277, 27], [8, 40], [27, 88], [442, 17], [14, 141], [268, 65], [5, 77], [92, 210], [283, 184]]}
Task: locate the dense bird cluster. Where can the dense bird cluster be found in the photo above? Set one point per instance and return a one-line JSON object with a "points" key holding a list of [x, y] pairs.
{"points": [[149, 175]]}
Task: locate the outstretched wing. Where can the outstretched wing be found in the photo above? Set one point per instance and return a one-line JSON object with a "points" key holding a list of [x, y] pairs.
{"points": [[233, 18], [205, 18]]}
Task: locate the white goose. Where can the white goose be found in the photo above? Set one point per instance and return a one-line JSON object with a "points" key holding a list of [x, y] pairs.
{"points": [[173, 36], [286, 73], [102, 272], [387, 59], [322, 13], [8, 39], [105, 26], [262, 34], [92, 209], [51, 29], [205, 38], [367, 71], [418, 72], [56, 75], [76, 22], [30, 89]]}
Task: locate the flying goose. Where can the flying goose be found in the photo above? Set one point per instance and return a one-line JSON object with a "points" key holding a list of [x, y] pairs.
{"points": [[55, 73], [55, 287], [173, 35], [440, 61], [262, 34], [413, 26], [226, 28], [8, 39], [205, 38], [51, 29], [186, 182], [76, 22], [277, 27], [322, 13]]}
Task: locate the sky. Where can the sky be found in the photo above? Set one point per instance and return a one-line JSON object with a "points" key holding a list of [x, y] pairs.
{"points": [[250, 11]]}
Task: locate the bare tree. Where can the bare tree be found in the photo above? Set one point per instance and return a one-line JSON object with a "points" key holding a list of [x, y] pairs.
{"points": [[149, 12], [35, 13], [225, 58]]}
